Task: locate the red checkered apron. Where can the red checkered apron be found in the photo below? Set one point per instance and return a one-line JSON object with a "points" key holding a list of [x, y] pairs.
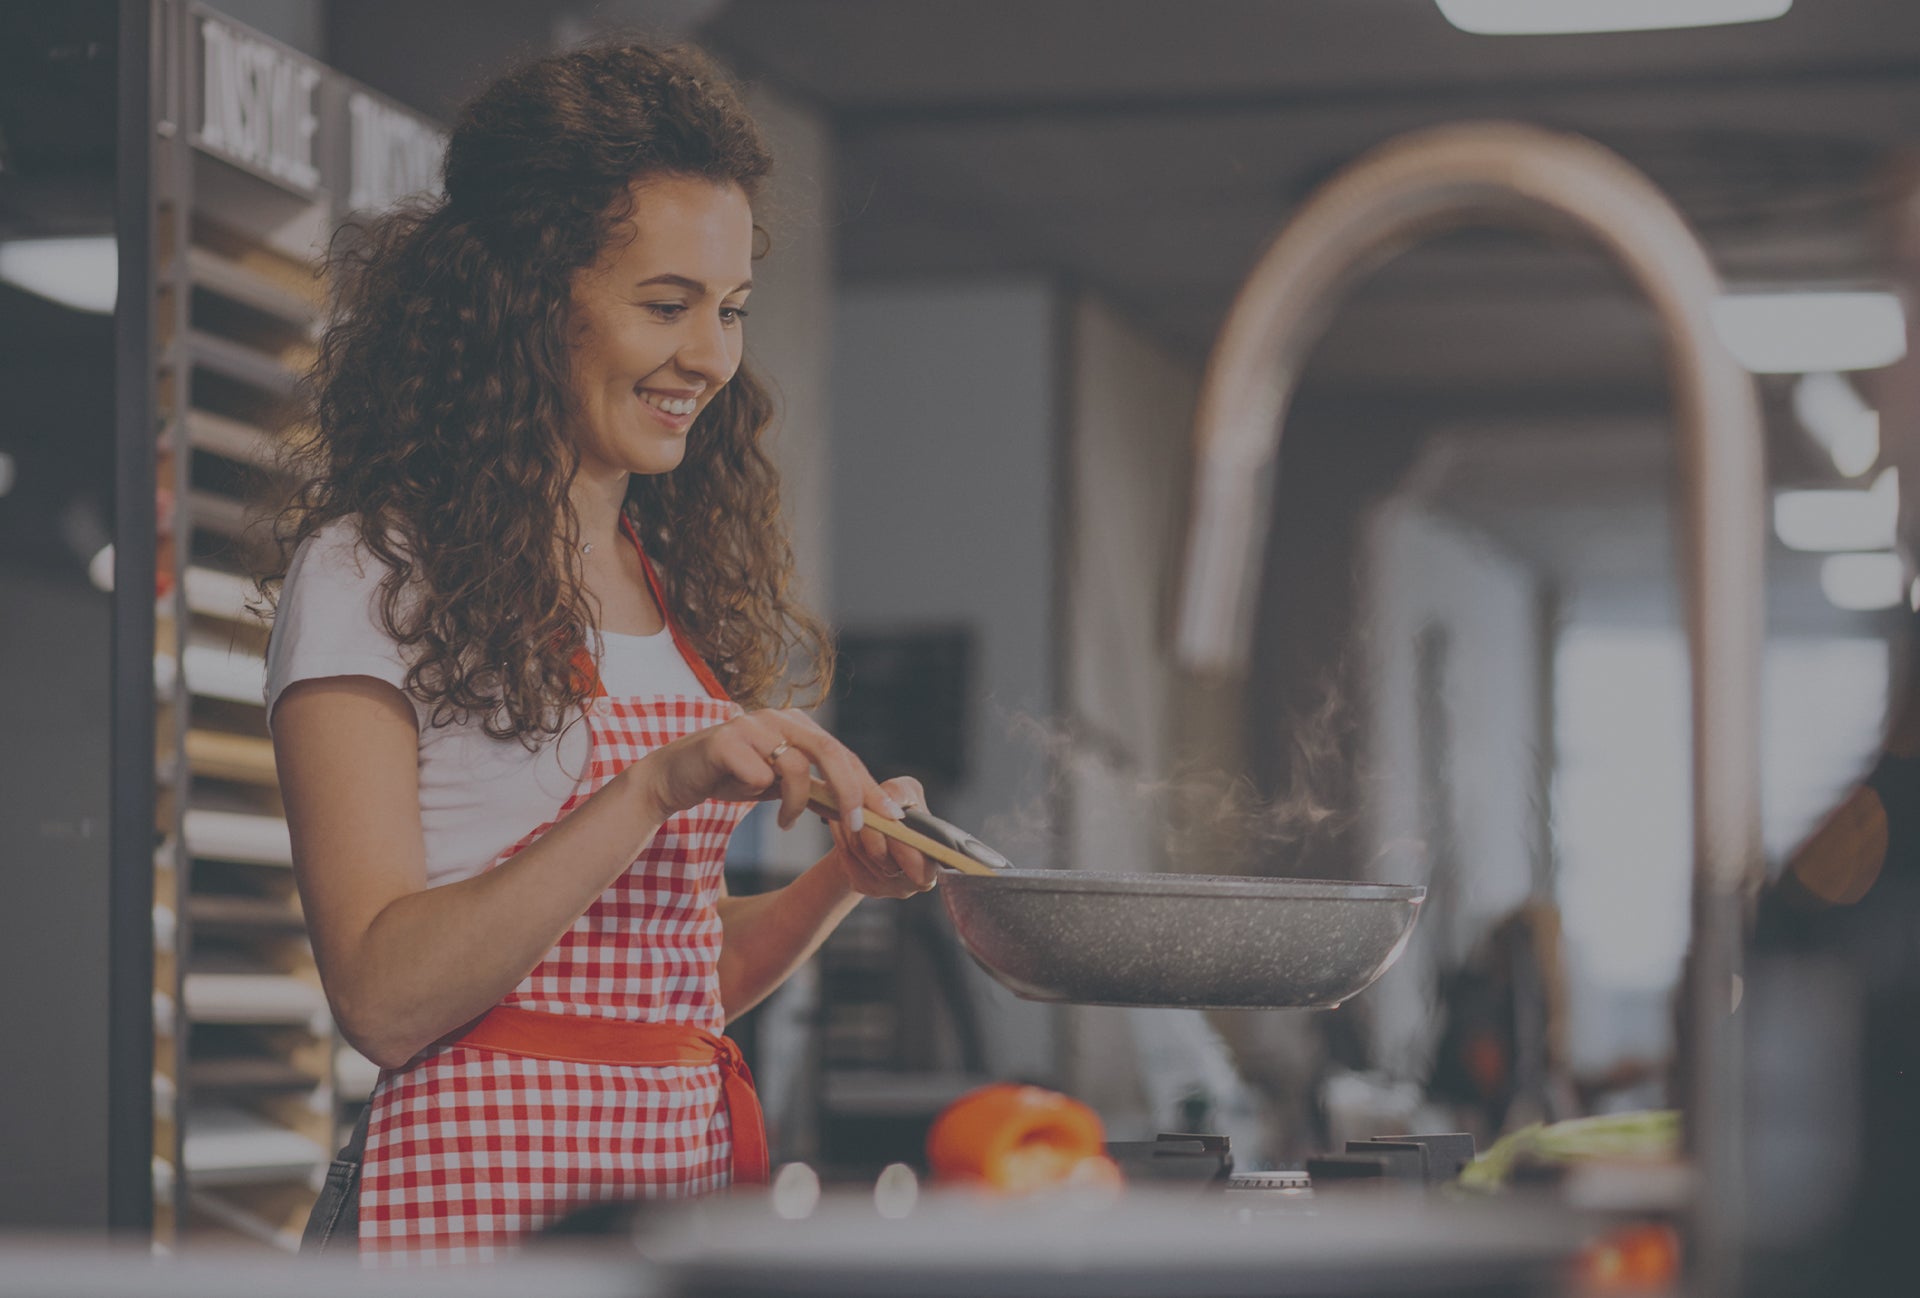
{"points": [[539, 1107]]}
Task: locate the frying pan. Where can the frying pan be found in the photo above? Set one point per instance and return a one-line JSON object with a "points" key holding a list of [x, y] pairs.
{"points": [[1193, 941]]}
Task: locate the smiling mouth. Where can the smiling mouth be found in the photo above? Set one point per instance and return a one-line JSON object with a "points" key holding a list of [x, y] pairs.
{"points": [[678, 407]]}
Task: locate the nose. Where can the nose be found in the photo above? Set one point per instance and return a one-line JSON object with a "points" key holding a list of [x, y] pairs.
{"points": [[709, 350]]}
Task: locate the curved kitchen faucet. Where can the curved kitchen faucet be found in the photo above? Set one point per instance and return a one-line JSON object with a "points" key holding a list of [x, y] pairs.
{"points": [[1497, 173]]}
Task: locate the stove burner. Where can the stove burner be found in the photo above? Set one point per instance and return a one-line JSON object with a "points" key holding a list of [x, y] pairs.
{"points": [[1420, 1160], [1174, 1158], [1203, 1161], [1282, 1182]]}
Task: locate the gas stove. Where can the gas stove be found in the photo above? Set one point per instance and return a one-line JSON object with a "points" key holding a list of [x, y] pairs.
{"points": [[1205, 1163], [1187, 1226]]}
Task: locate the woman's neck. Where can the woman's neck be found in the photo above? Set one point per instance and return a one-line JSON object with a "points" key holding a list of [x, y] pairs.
{"points": [[596, 505]]}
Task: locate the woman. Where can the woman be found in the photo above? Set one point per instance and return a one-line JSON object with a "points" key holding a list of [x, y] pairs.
{"points": [[536, 607]]}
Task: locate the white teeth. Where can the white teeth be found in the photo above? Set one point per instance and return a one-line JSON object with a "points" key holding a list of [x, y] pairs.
{"points": [[672, 405]]}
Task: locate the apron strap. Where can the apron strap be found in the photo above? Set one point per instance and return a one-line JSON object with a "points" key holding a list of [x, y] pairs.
{"points": [[588, 675], [578, 1039], [700, 669]]}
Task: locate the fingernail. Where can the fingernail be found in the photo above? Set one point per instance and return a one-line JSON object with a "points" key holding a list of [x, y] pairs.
{"points": [[893, 809], [856, 818]]}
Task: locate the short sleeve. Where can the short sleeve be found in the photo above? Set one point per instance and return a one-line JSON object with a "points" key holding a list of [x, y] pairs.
{"points": [[327, 622]]}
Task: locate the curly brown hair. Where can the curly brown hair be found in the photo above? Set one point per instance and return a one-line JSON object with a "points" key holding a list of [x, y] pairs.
{"points": [[441, 394]]}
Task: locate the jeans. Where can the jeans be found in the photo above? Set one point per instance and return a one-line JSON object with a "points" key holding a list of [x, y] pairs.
{"points": [[335, 1220]]}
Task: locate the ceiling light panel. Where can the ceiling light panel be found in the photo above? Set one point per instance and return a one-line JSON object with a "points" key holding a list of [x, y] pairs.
{"points": [[82, 273], [1846, 428], [1864, 583], [1806, 333], [1845, 519], [1567, 17]]}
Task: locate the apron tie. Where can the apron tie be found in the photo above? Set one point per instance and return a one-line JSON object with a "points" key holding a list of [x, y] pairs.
{"points": [[752, 1164], [575, 1038]]}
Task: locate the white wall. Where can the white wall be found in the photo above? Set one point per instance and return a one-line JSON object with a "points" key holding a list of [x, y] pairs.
{"points": [[943, 472], [790, 346], [1423, 570], [1622, 812], [1128, 455], [943, 455], [790, 331]]}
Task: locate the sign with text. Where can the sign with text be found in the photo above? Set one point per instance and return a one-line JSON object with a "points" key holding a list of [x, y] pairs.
{"points": [[391, 154], [258, 105], [279, 115]]}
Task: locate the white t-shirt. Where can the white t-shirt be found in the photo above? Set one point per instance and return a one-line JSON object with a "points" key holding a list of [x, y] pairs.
{"points": [[478, 795]]}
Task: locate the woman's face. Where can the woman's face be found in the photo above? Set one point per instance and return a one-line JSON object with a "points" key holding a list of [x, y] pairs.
{"points": [[657, 324]]}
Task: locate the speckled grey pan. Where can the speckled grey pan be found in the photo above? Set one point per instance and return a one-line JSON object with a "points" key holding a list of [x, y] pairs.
{"points": [[1197, 941]]}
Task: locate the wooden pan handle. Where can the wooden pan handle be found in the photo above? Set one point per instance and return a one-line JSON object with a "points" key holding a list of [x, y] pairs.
{"points": [[821, 798]]}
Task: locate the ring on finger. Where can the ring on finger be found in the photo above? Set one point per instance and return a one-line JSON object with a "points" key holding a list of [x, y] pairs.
{"points": [[778, 749]]}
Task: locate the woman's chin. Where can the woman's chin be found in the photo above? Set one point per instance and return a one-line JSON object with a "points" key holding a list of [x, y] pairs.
{"points": [[664, 458]]}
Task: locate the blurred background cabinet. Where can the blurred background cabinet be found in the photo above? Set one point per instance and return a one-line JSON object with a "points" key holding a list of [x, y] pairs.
{"points": [[76, 714]]}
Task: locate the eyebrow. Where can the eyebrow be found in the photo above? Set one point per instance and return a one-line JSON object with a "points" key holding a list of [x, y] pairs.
{"points": [[691, 285]]}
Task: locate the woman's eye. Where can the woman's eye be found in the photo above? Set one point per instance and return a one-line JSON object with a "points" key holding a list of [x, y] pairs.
{"points": [[667, 310], [733, 314]]}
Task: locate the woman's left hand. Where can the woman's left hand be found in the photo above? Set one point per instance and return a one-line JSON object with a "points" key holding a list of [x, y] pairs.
{"points": [[877, 866]]}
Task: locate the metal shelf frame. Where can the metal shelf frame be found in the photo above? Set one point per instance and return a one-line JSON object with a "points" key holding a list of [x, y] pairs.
{"points": [[226, 247]]}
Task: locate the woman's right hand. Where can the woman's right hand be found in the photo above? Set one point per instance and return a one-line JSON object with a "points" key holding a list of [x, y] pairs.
{"points": [[755, 757]]}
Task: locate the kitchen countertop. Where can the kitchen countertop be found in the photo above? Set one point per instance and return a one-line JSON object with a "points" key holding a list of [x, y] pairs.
{"points": [[1146, 1243]]}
